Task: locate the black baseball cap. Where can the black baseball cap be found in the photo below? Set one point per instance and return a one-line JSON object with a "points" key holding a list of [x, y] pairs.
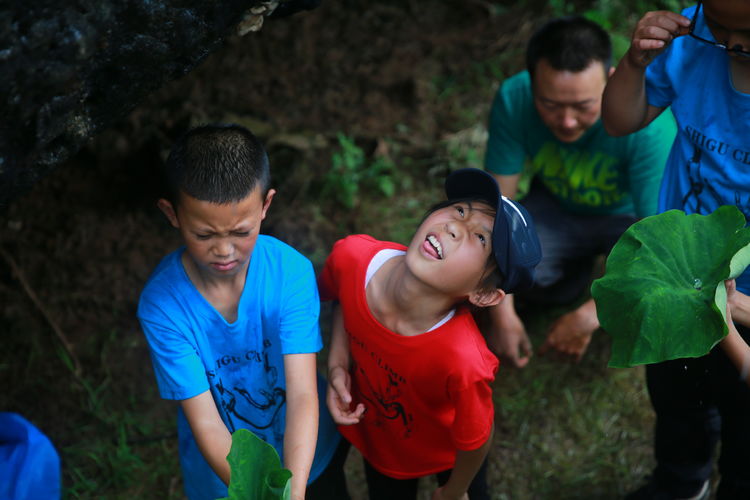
{"points": [[515, 243]]}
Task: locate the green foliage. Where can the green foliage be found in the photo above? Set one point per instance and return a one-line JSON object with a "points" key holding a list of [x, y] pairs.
{"points": [[561, 8], [256, 470], [109, 447], [662, 296], [479, 81], [615, 16], [351, 173], [464, 148]]}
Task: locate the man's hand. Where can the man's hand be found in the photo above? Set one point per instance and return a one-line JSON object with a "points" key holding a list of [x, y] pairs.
{"points": [[653, 33], [571, 333], [511, 343], [339, 398], [506, 335]]}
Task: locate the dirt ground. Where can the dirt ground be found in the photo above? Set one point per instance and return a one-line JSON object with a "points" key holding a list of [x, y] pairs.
{"points": [[409, 81]]}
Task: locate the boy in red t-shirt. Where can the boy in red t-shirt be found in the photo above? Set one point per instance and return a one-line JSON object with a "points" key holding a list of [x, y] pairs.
{"points": [[409, 372]]}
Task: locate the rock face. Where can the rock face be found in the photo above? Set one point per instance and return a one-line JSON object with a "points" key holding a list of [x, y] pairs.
{"points": [[70, 68]]}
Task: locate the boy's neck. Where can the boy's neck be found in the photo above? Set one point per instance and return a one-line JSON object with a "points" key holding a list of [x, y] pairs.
{"points": [[740, 71], [402, 303], [223, 293]]}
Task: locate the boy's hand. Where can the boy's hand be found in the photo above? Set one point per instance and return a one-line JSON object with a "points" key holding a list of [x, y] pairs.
{"points": [[653, 33], [439, 495], [731, 287], [738, 304], [339, 398]]}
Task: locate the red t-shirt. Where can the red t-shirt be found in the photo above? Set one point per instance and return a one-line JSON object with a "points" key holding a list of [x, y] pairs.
{"points": [[428, 395]]}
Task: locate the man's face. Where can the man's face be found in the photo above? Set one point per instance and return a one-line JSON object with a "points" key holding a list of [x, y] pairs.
{"points": [[568, 103], [729, 22]]}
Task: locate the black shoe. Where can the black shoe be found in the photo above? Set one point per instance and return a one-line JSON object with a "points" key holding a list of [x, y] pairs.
{"points": [[650, 491]]}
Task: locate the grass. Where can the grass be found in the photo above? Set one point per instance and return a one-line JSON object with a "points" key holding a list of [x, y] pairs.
{"points": [[574, 431]]}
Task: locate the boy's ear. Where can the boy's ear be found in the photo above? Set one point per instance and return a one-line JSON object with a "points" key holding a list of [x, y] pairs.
{"points": [[168, 209], [487, 298], [267, 202]]}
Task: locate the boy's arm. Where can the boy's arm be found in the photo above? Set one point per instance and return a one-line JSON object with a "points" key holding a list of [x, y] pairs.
{"points": [[738, 306], [624, 105], [338, 397], [212, 436], [466, 467], [738, 351], [300, 435]]}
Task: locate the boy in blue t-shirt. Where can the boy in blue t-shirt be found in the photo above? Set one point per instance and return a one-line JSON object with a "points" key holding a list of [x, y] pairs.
{"points": [[231, 320], [698, 64]]}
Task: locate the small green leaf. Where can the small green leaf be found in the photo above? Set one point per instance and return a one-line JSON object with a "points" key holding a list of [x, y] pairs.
{"points": [[386, 185], [256, 472], [662, 296]]}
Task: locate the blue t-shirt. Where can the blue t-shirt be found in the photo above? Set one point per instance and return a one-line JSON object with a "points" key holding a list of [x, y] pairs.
{"points": [[709, 164], [194, 349], [595, 175]]}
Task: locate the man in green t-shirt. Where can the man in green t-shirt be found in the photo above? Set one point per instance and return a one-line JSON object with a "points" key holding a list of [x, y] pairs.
{"points": [[547, 146]]}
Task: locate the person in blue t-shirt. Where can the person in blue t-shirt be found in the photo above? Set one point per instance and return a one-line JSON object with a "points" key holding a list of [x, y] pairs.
{"points": [[587, 186], [231, 320], [698, 64]]}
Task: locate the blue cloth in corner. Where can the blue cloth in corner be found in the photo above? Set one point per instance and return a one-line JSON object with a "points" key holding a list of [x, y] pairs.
{"points": [[29, 464]]}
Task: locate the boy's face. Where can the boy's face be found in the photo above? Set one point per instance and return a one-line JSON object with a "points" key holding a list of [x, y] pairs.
{"points": [[451, 247], [729, 22], [219, 237], [568, 103]]}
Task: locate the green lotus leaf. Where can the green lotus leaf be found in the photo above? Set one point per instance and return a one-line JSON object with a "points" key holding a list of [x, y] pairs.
{"points": [[256, 470], [662, 296]]}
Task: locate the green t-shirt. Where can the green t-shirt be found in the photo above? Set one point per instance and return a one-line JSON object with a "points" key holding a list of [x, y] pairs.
{"points": [[597, 174]]}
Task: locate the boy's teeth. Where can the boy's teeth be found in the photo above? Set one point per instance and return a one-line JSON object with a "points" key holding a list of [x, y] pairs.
{"points": [[435, 243]]}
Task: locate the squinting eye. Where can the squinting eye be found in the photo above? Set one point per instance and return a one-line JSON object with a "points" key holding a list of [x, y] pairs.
{"points": [[242, 234], [203, 236]]}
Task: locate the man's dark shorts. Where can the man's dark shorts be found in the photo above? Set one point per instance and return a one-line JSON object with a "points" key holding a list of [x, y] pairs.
{"points": [[570, 244]]}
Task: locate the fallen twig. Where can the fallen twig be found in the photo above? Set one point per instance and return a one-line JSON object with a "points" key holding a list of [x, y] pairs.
{"points": [[77, 371]]}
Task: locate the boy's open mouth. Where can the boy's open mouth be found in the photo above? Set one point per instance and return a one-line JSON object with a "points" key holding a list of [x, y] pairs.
{"points": [[435, 244]]}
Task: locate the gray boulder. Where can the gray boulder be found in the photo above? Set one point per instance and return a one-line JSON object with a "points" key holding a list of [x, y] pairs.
{"points": [[71, 68]]}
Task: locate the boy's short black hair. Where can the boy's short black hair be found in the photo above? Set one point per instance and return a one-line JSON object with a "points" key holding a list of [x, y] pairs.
{"points": [[569, 43], [218, 163]]}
